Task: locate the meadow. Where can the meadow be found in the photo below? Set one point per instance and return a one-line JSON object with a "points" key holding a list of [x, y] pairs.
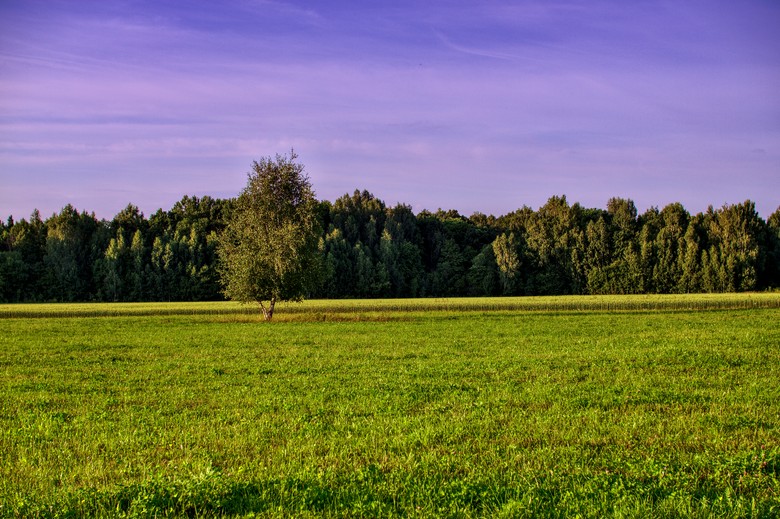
{"points": [[643, 406]]}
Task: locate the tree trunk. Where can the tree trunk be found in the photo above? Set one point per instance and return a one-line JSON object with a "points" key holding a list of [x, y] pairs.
{"points": [[268, 313]]}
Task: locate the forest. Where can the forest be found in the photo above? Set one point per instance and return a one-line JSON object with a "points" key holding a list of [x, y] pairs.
{"points": [[370, 250]]}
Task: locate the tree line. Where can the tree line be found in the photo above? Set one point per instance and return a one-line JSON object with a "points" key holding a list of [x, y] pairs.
{"points": [[369, 250]]}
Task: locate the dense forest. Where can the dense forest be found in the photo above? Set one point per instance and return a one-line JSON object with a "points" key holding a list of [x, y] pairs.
{"points": [[371, 250]]}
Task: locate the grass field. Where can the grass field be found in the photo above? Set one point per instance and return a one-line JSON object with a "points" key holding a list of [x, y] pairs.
{"points": [[356, 308], [538, 407]]}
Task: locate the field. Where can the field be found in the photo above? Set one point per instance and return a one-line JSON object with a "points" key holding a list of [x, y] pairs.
{"points": [[537, 407]]}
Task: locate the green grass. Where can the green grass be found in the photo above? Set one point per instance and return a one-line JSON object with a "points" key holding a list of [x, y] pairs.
{"points": [[355, 408], [312, 309]]}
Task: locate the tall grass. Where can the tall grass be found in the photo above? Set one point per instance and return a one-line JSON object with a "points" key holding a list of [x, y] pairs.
{"points": [[349, 306]]}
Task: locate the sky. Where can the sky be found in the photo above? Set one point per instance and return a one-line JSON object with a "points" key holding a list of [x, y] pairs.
{"points": [[476, 106]]}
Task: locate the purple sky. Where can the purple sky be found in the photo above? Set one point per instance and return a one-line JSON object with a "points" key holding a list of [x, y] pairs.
{"points": [[475, 106]]}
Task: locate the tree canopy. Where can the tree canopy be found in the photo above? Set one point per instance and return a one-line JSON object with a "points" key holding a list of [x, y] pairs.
{"points": [[269, 248], [369, 249]]}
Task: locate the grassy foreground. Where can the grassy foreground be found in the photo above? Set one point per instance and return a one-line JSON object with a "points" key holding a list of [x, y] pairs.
{"points": [[613, 409]]}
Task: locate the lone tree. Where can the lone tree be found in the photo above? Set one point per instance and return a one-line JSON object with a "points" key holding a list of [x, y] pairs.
{"points": [[269, 248]]}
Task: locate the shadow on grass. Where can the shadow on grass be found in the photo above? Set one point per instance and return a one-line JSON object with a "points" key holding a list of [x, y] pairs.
{"points": [[740, 488]]}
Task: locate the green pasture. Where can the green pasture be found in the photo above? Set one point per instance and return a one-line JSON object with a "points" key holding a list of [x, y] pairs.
{"points": [[313, 309], [644, 406]]}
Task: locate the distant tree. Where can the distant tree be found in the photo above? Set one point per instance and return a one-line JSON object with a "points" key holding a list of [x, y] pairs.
{"points": [[482, 220], [624, 275], [269, 250], [773, 250], [483, 275], [449, 278], [371, 279], [139, 269], [508, 259], [551, 236], [12, 270], [360, 217], [11, 266], [159, 267], [339, 267], [399, 251], [650, 224], [23, 263], [127, 222], [623, 215], [70, 254], [670, 248], [5, 234], [519, 220], [431, 240], [736, 261], [598, 255], [691, 258], [112, 269]]}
